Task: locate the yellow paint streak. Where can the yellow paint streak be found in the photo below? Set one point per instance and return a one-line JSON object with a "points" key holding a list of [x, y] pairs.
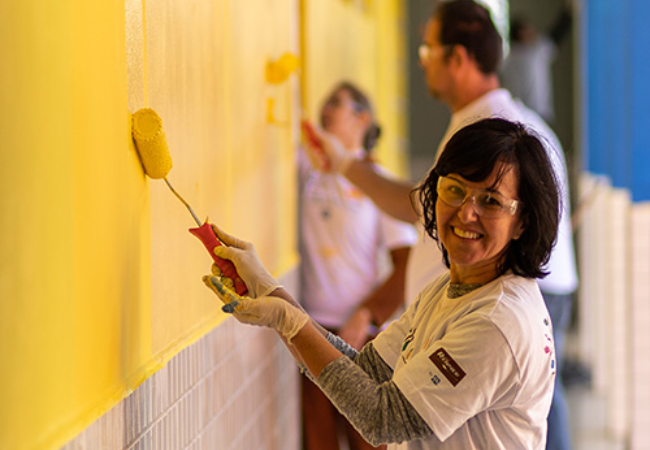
{"points": [[227, 206], [145, 74]]}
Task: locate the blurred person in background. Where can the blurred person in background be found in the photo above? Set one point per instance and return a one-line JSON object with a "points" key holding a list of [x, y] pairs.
{"points": [[347, 244], [526, 72]]}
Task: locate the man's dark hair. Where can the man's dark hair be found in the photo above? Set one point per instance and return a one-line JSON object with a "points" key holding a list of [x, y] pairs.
{"points": [[473, 153], [466, 23]]}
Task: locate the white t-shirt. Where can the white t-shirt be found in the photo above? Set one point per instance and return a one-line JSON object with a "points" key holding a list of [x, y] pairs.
{"points": [[479, 368], [343, 238], [425, 260]]}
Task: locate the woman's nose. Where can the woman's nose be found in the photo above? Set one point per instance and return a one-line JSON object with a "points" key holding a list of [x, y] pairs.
{"points": [[467, 211]]}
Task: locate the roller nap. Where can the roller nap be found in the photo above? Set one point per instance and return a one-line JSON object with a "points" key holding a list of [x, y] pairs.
{"points": [[151, 143]]}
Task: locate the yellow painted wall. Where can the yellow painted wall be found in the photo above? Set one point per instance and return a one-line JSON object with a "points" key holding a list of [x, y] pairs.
{"points": [[199, 65], [74, 284], [362, 41], [99, 278]]}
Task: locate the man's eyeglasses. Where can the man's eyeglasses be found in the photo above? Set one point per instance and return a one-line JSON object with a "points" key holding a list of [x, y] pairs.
{"points": [[423, 52], [488, 204]]}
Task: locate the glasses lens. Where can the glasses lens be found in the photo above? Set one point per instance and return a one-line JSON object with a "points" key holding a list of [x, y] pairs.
{"points": [[451, 192], [491, 203], [357, 107]]}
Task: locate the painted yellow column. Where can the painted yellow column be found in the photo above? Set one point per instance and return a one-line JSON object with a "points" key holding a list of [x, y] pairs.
{"points": [[74, 209]]}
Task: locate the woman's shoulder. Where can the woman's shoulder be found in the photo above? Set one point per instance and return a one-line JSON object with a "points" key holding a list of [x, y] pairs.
{"points": [[506, 298], [509, 285], [515, 286], [517, 302]]}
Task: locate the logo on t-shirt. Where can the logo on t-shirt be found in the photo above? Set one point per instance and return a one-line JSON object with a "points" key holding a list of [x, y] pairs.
{"points": [[449, 368], [408, 339]]}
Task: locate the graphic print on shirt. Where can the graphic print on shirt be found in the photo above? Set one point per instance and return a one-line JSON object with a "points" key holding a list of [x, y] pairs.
{"points": [[446, 364], [317, 194], [407, 341], [549, 348], [329, 193]]}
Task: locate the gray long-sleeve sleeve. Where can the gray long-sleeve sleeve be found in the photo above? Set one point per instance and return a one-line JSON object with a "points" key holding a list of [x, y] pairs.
{"points": [[362, 391], [368, 359]]}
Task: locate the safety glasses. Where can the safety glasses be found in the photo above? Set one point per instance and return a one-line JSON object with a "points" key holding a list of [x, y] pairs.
{"points": [[487, 203]]}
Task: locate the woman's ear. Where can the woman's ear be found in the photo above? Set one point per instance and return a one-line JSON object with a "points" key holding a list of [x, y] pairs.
{"points": [[520, 227]]}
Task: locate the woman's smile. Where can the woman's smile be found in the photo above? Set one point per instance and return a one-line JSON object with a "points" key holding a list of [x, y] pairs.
{"points": [[466, 234]]}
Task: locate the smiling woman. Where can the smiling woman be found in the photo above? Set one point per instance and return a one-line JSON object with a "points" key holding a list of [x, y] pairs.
{"points": [[471, 363], [500, 157]]}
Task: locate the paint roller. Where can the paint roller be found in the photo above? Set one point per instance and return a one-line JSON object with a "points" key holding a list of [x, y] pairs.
{"points": [[151, 144]]}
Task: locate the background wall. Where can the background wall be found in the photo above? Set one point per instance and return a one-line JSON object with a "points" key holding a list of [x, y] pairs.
{"points": [[428, 117], [364, 42], [100, 280]]}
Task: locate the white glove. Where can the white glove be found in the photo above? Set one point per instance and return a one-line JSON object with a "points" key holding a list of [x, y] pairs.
{"points": [[272, 312], [337, 158], [259, 281]]}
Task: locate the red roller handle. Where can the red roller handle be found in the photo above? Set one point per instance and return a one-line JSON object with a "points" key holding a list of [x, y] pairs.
{"points": [[312, 137], [205, 233]]}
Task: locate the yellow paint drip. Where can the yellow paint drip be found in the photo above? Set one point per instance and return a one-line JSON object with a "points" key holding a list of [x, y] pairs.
{"points": [[151, 143]]}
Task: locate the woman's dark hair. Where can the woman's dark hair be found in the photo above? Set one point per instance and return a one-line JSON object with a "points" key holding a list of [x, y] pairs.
{"points": [[358, 97], [473, 153], [466, 23]]}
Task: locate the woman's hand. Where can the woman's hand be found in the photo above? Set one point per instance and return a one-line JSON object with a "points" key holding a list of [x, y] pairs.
{"points": [[272, 312], [327, 151], [259, 281]]}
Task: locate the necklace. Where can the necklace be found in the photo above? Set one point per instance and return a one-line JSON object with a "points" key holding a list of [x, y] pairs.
{"points": [[456, 290]]}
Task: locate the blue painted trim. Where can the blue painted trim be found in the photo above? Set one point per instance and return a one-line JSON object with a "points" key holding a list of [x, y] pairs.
{"points": [[616, 62]]}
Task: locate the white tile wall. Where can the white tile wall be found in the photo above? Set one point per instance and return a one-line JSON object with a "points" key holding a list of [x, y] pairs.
{"points": [[614, 307], [640, 318], [234, 389], [592, 259], [617, 304]]}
